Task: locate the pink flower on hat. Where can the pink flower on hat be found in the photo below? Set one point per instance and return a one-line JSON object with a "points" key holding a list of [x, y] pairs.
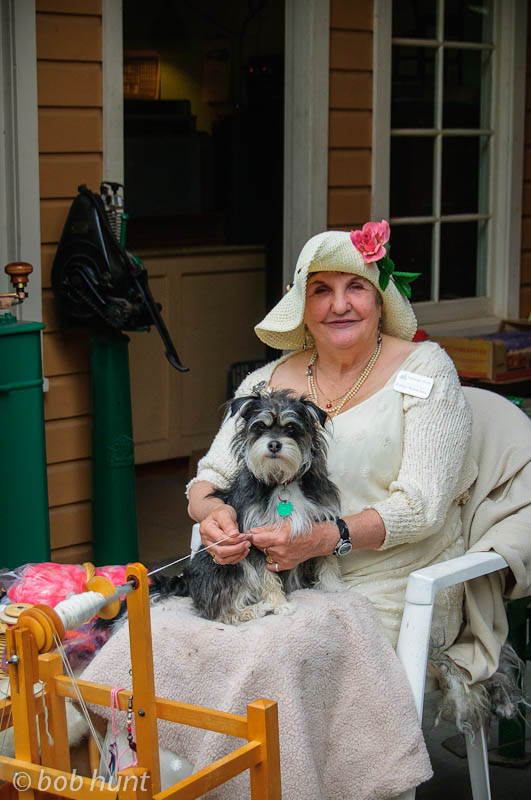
{"points": [[371, 239]]}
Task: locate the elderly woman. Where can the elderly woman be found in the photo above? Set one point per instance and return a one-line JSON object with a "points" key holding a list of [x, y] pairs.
{"points": [[398, 439]]}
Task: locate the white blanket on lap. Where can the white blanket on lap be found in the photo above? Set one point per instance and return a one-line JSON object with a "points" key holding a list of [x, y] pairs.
{"points": [[348, 727]]}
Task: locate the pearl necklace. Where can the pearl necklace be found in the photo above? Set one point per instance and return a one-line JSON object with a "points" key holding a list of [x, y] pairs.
{"points": [[344, 399]]}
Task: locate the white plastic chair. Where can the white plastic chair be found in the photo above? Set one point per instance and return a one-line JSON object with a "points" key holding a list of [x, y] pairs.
{"points": [[414, 639]]}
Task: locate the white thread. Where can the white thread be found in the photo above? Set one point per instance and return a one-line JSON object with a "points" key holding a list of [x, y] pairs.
{"points": [[200, 550], [80, 608], [79, 696], [45, 706]]}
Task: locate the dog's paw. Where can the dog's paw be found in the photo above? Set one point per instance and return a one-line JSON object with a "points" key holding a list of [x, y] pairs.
{"points": [[256, 611], [285, 608]]}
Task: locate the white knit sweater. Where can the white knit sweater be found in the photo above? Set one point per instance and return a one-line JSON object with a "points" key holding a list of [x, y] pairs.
{"points": [[405, 457]]}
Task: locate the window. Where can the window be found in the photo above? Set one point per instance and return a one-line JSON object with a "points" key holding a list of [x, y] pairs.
{"points": [[442, 137]]}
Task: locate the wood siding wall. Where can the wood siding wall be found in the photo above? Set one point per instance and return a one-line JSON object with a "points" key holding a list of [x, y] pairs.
{"points": [[350, 123], [69, 75], [525, 277]]}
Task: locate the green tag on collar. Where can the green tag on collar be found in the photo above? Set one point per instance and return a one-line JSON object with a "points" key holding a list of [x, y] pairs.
{"points": [[285, 508]]}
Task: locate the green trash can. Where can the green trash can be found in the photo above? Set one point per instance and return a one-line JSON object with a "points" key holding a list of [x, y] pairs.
{"points": [[23, 484]]}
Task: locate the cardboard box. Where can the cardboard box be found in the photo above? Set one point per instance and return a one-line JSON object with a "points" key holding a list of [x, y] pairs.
{"points": [[502, 357]]}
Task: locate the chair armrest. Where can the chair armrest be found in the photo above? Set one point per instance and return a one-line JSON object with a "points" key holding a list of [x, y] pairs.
{"points": [[422, 586]]}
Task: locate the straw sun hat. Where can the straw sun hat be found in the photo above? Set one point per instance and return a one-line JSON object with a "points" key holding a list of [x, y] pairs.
{"points": [[332, 251]]}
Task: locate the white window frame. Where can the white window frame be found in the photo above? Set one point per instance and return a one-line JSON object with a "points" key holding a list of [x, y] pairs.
{"points": [[506, 175], [20, 238]]}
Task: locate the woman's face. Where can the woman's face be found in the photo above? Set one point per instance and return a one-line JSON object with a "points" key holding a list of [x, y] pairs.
{"points": [[341, 309]]}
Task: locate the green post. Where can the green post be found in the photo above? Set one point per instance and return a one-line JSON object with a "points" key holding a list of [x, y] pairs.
{"points": [[114, 528], [23, 484]]}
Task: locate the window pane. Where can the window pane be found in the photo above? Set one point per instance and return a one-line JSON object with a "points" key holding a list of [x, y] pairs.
{"points": [[468, 22], [411, 176], [459, 249], [414, 19], [465, 105], [411, 252], [460, 175], [413, 87]]}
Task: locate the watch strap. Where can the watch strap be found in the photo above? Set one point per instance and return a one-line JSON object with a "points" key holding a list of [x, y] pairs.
{"points": [[344, 544]]}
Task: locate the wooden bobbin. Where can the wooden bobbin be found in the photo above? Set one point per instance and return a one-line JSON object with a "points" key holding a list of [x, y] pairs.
{"points": [[44, 624], [90, 569], [107, 589]]}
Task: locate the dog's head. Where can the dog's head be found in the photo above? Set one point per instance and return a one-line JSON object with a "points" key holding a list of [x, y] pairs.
{"points": [[279, 434]]}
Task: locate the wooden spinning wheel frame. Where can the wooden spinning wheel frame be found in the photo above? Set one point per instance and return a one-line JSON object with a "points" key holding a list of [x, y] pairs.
{"points": [[260, 754]]}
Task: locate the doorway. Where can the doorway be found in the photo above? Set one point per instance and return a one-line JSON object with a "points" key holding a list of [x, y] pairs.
{"points": [[203, 163]]}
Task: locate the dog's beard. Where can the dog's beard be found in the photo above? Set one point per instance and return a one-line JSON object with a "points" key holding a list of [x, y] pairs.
{"points": [[280, 468]]}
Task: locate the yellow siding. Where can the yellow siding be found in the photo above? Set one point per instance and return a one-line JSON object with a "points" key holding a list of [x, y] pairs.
{"points": [[69, 79], [350, 123]]}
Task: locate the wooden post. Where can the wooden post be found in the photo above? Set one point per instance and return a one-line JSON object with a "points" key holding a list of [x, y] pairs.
{"points": [[262, 721], [134, 783], [56, 754], [144, 704], [22, 676]]}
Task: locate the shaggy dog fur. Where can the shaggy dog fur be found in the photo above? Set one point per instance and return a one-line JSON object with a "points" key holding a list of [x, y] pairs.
{"points": [[281, 454]]}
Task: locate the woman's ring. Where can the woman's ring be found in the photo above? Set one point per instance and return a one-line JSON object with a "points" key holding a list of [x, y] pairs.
{"points": [[269, 560], [276, 567]]}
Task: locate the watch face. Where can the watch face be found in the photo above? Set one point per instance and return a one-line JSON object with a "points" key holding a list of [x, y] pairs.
{"points": [[343, 548]]}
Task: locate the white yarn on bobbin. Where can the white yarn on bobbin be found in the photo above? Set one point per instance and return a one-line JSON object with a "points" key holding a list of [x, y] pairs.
{"points": [[79, 608]]}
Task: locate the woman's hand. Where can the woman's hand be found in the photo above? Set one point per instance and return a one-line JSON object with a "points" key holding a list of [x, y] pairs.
{"points": [[285, 552], [218, 525]]}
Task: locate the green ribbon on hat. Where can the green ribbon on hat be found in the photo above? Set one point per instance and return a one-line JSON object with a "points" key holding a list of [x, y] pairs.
{"points": [[402, 280]]}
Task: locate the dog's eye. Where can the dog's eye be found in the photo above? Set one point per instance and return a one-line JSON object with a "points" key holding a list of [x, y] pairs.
{"points": [[258, 427], [290, 430]]}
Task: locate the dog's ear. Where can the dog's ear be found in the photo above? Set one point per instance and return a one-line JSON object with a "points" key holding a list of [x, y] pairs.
{"points": [[239, 405], [317, 413]]}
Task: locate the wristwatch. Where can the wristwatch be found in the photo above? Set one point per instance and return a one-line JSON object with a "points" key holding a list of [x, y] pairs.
{"points": [[344, 546]]}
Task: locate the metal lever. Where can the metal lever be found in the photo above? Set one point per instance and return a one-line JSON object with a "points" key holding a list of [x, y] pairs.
{"points": [[140, 279]]}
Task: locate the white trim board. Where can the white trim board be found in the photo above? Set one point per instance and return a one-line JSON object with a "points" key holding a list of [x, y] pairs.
{"points": [[306, 92], [113, 91], [19, 151]]}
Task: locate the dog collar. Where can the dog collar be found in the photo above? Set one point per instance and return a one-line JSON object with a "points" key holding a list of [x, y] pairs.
{"points": [[344, 546]]}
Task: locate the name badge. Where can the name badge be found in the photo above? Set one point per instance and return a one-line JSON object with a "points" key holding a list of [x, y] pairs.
{"points": [[413, 383]]}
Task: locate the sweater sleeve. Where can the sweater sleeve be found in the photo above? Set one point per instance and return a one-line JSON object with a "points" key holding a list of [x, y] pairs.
{"points": [[218, 465], [436, 467]]}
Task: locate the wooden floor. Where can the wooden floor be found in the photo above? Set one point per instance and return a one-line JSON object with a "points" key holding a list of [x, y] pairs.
{"points": [[164, 527]]}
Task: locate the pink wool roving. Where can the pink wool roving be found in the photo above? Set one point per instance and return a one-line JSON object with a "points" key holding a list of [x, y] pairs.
{"points": [[50, 583]]}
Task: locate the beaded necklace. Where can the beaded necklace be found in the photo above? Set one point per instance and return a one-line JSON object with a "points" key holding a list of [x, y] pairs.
{"points": [[344, 399]]}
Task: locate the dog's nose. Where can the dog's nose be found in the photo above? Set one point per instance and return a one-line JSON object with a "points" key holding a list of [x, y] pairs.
{"points": [[274, 446]]}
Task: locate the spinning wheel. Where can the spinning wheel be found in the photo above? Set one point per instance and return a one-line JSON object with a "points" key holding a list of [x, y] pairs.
{"points": [[40, 629]]}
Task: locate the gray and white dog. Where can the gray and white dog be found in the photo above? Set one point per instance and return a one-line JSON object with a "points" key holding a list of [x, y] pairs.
{"points": [[281, 454]]}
